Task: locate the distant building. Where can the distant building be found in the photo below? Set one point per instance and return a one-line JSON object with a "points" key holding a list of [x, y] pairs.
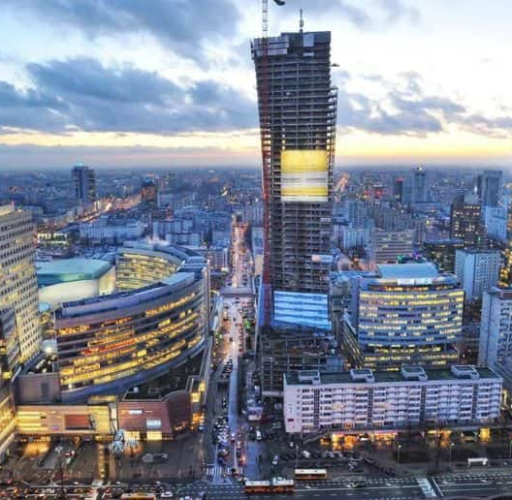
{"points": [[489, 187], [420, 185], [466, 221], [442, 253], [398, 189], [413, 397], [149, 191], [478, 270], [84, 181], [407, 314], [388, 246], [495, 220], [111, 230], [18, 283]]}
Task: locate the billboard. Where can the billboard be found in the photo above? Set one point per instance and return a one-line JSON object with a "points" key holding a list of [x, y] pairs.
{"points": [[304, 175]]}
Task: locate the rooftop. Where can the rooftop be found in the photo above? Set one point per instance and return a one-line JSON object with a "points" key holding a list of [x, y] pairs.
{"points": [[67, 270], [408, 270], [432, 374]]}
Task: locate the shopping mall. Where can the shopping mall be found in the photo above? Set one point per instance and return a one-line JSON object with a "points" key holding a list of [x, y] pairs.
{"points": [[135, 359]]}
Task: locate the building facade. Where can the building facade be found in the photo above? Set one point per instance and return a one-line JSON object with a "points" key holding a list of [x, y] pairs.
{"points": [[478, 270], [408, 314], [18, 282], [413, 397], [107, 344], [388, 246], [442, 253]]}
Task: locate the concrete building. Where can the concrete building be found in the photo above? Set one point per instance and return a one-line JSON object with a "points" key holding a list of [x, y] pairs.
{"points": [[18, 282], [84, 181], [414, 397], [66, 280], [297, 111], [466, 221], [478, 270], [388, 246], [408, 314]]}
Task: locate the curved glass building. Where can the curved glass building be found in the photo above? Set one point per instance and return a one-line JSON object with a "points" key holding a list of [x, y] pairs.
{"points": [[157, 320]]}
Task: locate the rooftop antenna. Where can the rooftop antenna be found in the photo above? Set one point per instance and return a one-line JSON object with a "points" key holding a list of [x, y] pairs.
{"points": [[301, 22]]}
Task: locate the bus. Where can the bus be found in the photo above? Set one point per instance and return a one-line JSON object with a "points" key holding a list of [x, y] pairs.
{"points": [[276, 486], [478, 461], [310, 474], [255, 487], [281, 485]]}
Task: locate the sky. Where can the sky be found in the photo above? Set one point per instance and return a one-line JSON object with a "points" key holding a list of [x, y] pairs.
{"points": [[170, 83]]}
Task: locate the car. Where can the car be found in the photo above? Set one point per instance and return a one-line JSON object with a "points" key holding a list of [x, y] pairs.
{"points": [[259, 437], [275, 461], [200, 427], [167, 494]]}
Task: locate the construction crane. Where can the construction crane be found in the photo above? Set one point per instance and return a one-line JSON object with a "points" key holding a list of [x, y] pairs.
{"points": [[266, 153]]}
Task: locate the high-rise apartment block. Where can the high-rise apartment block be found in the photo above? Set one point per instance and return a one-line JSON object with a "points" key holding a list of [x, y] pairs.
{"points": [[407, 314], [84, 181], [297, 108], [18, 282], [388, 246], [478, 270], [460, 395]]}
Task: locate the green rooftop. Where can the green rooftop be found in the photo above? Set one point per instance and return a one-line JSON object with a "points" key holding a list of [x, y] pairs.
{"points": [[69, 270]]}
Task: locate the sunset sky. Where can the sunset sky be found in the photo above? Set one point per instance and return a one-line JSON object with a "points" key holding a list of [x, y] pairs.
{"points": [[163, 83]]}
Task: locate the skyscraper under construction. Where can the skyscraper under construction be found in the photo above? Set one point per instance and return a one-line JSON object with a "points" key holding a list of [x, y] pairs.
{"points": [[297, 108]]}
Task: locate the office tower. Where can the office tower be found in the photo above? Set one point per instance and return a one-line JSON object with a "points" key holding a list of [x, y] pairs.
{"points": [[419, 185], [495, 220], [478, 270], [442, 253], [84, 180], [465, 221], [489, 186], [407, 314], [398, 189], [18, 282], [297, 109], [388, 246]]}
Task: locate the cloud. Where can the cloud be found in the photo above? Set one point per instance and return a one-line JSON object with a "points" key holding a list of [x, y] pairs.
{"points": [[82, 94], [185, 26]]}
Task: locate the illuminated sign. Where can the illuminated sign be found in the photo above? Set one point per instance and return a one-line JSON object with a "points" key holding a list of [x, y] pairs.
{"points": [[304, 175], [414, 281], [135, 412]]}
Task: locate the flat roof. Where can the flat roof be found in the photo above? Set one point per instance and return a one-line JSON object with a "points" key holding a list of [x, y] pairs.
{"points": [[433, 374], [408, 270], [67, 270]]}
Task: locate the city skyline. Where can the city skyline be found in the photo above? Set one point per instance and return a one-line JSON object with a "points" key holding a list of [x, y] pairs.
{"points": [[115, 85]]}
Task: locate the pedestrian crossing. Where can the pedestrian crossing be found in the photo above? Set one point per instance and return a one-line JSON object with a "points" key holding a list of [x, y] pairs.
{"points": [[215, 470]]}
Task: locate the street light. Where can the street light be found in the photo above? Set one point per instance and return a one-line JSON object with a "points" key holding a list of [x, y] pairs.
{"points": [[510, 448], [399, 447], [450, 453]]}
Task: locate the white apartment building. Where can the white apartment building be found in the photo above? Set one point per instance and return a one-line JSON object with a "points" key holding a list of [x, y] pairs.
{"points": [[366, 400], [478, 270], [18, 282], [388, 246], [111, 230]]}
